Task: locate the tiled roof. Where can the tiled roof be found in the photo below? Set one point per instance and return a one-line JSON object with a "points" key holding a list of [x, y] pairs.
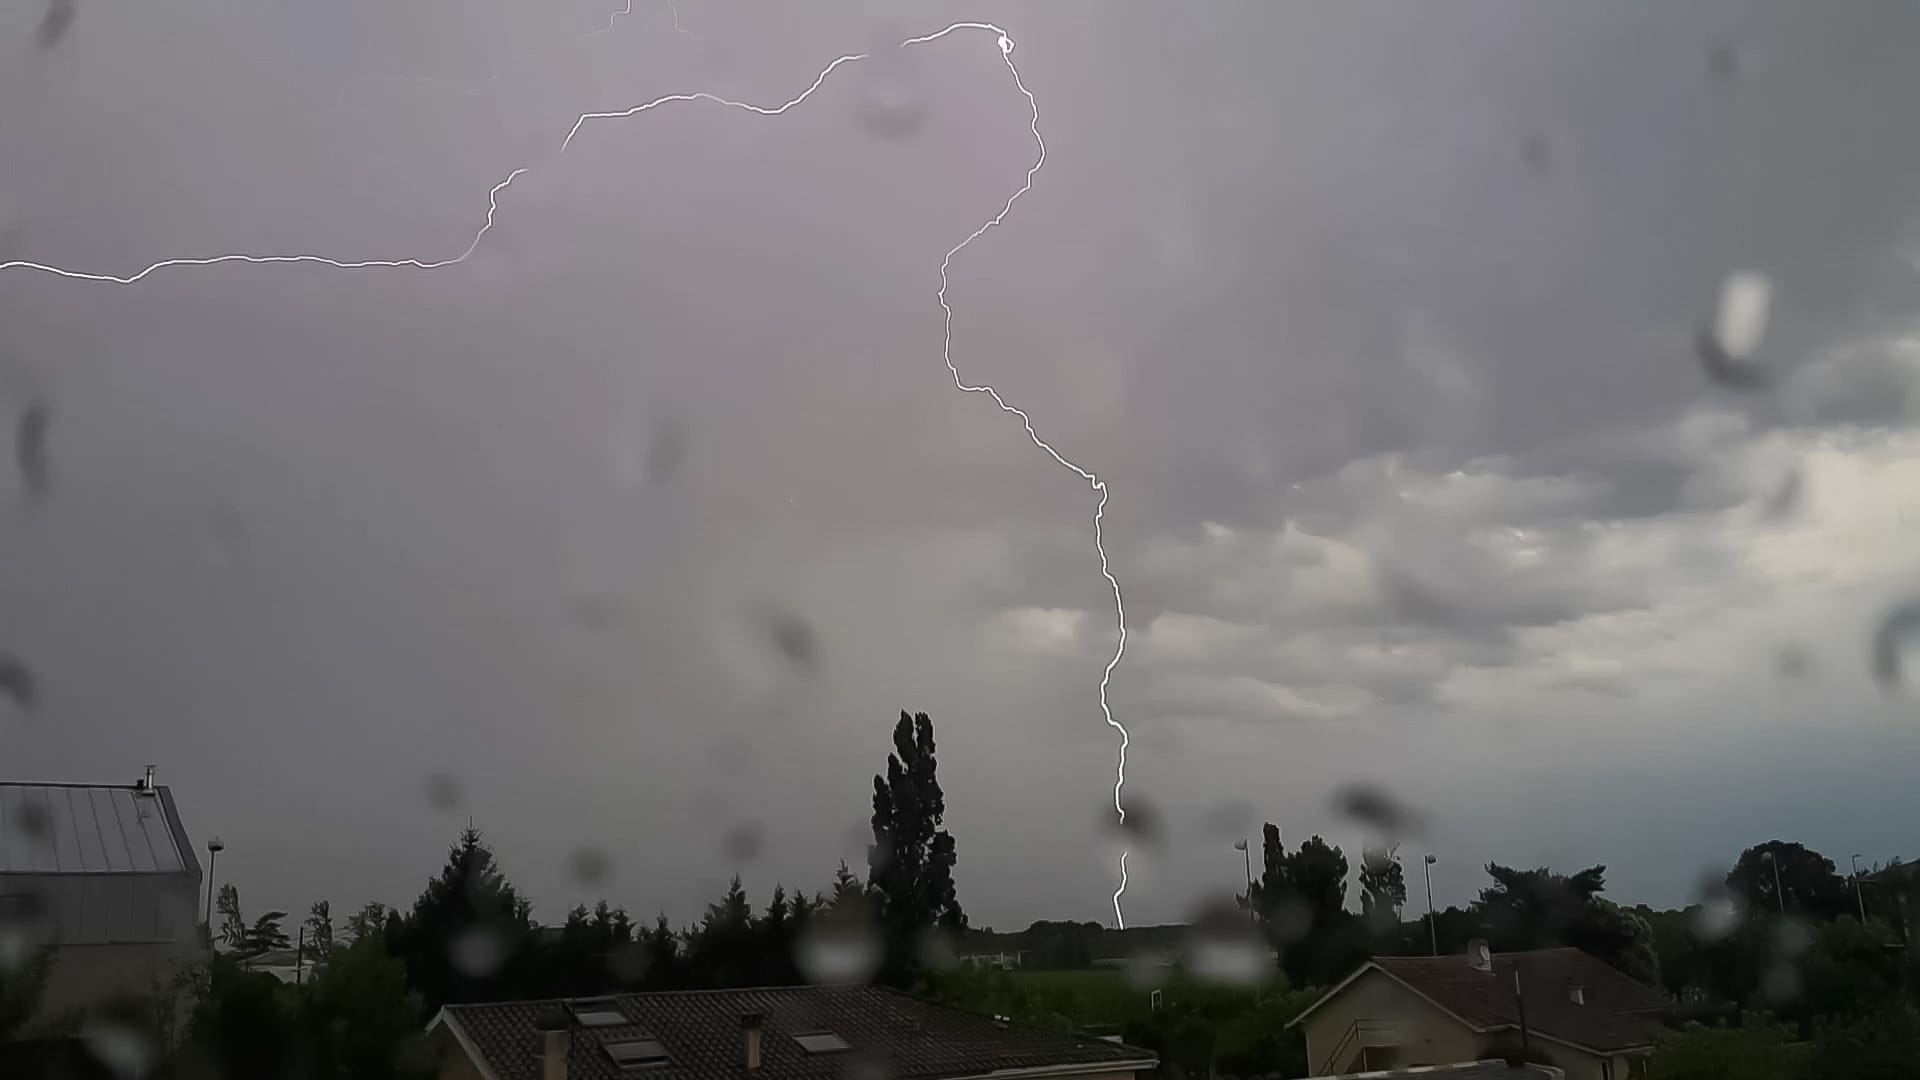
{"points": [[91, 829], [890, 1034], [1470, 1070], [1612, 1017]]}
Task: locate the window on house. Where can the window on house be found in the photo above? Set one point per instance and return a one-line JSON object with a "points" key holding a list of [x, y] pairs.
{"points": [[820, 1042], [598, 1013], [637, 1053]]}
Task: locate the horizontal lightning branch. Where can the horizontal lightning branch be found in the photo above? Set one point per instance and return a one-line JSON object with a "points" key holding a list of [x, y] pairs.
{"points": [[1006, 45]]}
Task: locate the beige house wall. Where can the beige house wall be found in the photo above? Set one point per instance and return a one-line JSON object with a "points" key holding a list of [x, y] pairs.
{"points": [[453, 1061], [1423, 1034]]}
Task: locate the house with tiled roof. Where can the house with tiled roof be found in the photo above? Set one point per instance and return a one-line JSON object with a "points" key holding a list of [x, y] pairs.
{"points": [[775, 1033], [1491, 1069], [1574, 1010]]}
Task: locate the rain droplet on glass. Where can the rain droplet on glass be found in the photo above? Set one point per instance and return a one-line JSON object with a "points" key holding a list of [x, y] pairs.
{"points": [[477, 951], [590, 866], [891, 99], [444, 791], [1889, 639], [1727, 348], [837, 950]]}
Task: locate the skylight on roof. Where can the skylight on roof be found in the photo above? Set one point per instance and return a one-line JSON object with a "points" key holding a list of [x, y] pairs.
{"points": [[820, 1042], [637, 1053], [599, 1013]]}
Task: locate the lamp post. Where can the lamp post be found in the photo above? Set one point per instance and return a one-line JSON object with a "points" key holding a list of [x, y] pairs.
{"points": [[1433, 931], [1858, 897], [214, 847], [1778, 893], [1241, 846]]}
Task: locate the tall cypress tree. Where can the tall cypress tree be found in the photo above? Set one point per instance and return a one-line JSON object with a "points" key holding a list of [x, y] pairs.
{"points": [[910, 862]]}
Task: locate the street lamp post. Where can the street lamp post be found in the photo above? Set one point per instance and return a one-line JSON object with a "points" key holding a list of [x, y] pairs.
{"points": [[1778, 893], [1858, 897], [214, 847], [1433, 932]]}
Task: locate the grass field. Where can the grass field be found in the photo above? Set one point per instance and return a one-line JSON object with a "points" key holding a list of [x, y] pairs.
{"points": [[1091, 996]]}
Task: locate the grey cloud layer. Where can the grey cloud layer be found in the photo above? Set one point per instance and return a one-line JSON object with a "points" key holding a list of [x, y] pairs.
{"points": [[1378, 323]]}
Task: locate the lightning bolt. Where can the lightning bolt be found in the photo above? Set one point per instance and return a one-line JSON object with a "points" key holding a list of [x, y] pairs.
{"points": [[1006, 45], [615, 17]]}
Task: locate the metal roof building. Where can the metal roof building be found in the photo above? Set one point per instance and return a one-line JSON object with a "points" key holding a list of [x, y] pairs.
{"points": [[106, 875]]}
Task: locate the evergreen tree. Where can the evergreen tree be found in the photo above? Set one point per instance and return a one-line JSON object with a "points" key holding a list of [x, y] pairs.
{"points": [[467, 937]]}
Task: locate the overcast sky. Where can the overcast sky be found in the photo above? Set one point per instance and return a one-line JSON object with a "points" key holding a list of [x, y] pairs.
{"points": [[1377, 319]]}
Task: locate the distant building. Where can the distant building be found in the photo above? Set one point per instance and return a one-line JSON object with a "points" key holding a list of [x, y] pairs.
{"points": [[997, 961], [1398, 1011], [106, 875], [778, 1033]]}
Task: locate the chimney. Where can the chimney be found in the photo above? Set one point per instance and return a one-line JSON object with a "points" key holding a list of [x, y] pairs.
{"points": [[556, 1044], [1576, 993], [1479, 957], [144, 785], [553, 1054], [750, 1029]]}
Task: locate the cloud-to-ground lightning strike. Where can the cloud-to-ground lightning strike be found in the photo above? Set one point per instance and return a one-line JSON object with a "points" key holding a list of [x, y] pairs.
{"points": [[1006, 45]]}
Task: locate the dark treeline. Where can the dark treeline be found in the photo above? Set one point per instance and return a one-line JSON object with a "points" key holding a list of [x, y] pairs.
{"points": [[372, 980], [1788, 964]]}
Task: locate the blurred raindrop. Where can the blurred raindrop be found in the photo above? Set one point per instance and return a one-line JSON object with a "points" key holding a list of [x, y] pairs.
{"points": [[33, 821], [1731, 61], [628, 963], [30, 448], [791, 636], [444, 791], [1232, 818], [1290, 920], [743, 842], [666, 449], [1717, 914], [590, 866], [1148, 970], [1726, 349], [58, 19], [477, 951], [1791, 937], [891, 99], [1372, 806], [1783, 501], [837, 950], [1223, 947], [17, 681], [1793, 662], [1888, 639], [1140, 824], [1538, 152], [938, 951], [122, 1048], [223, 533], [24, 927], [857, 836]]}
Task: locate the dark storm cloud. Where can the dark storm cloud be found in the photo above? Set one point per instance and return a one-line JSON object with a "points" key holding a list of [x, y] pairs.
{"points": [[1274, 249]]}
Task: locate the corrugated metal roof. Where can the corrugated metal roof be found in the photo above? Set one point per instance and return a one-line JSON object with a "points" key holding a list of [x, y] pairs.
{"points": [[86, 829]]}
